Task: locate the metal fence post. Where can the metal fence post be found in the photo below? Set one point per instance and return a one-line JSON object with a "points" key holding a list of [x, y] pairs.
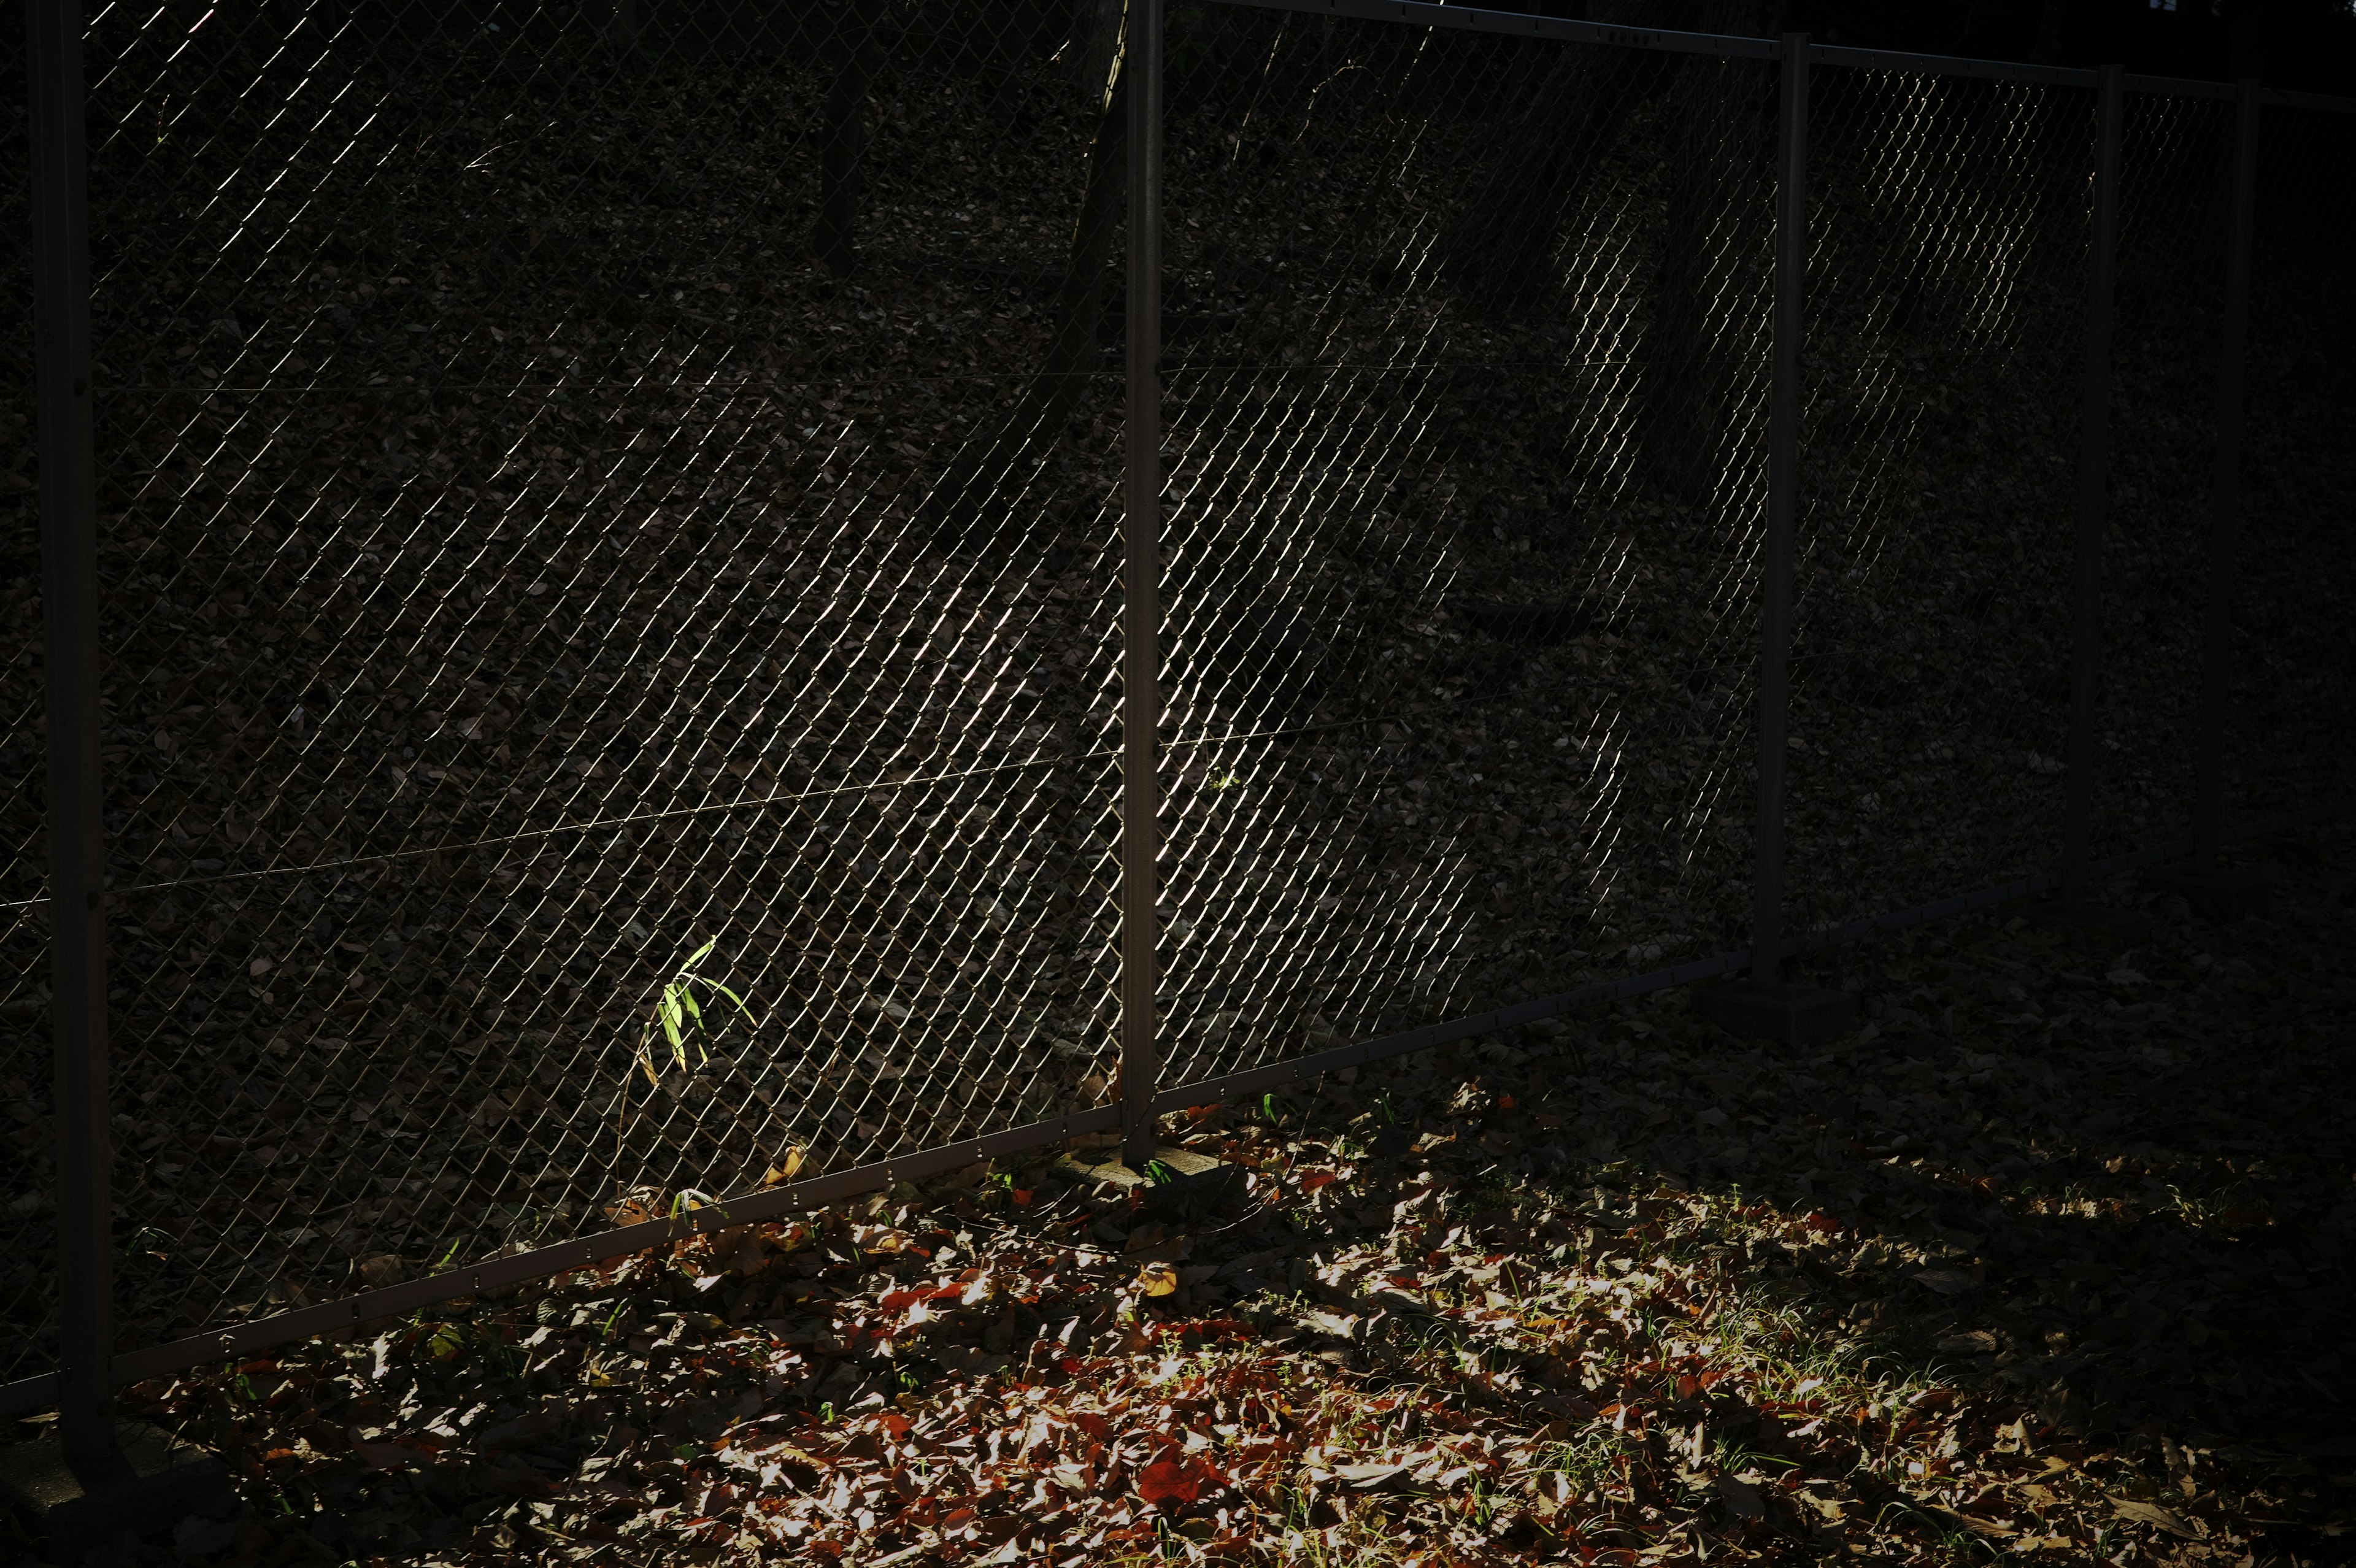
{"points": [[2225, 489], [2094, 485], [70, 614], [1766, 1008], [1776, 567], [1140, 1059]]}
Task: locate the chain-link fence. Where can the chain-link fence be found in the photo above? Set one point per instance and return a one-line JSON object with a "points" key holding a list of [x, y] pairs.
{"points": [[2293, 668], [605, 509], [2174, 201], [1467, 412], [1947, 295]]}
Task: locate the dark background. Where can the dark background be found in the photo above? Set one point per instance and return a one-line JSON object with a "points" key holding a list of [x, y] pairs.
{"points": [[2308, 45]]}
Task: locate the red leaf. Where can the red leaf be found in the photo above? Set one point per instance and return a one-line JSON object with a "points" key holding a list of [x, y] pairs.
{"points": [[1315, 1179], [1171, 1483]]}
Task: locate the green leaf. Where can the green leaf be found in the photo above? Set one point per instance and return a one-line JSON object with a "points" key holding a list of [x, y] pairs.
{"points": [[700, 954], [740, 1003]]}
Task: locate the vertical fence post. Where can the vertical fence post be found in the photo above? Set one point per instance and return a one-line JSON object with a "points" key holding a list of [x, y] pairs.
{"points": [[1140, 806], [2226, 487], [60, 244], [2093, 487], [1782, 508], [1766, 1008]]}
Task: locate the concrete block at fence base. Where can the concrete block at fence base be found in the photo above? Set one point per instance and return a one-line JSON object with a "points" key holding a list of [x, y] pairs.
{"points": [[2106, 930], [165, 1484], [1796, 1015], [1187, 1183], [2216, 894]]}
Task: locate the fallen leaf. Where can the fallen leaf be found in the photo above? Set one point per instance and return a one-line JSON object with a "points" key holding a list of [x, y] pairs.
{"points": [[1174, 1482], [1742, 1499], [2154, 1515], [1369, 1477], [1157, 1279], [1945, 1281]]}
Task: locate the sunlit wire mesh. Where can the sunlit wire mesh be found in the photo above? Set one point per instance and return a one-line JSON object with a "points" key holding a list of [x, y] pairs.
{"points": [[622, 502], [2293, 668], [1465, 421], [522, 566], [1948, 232]]}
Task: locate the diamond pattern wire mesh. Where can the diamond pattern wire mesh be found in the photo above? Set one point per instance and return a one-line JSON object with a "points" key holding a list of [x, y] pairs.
{"points": [[579, 484], [1466, 415], [1948, 234], [521, 567], [27, 1143], [2175, 209], [2288, 718]]}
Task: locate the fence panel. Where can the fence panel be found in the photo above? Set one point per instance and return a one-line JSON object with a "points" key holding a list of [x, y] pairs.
{"points": [[618, 507], [2292, 668], [1944, 368], [2175, 210], [524, 572], [1466, 420], [28, 1192]]}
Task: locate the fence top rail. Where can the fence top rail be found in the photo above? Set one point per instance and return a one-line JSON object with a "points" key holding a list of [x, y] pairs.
{"points": [[2283, 97], [1514, 24]]}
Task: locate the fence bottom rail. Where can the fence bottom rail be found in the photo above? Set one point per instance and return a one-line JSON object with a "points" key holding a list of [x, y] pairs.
{"points": [[590, 1251]]}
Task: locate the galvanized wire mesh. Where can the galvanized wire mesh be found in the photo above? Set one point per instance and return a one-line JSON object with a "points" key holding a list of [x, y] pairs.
{"points": [[1948, 235], [2287, 740], [28, 1144], [578, 487], [523, 567], [2174, 212], [1466, 415]]}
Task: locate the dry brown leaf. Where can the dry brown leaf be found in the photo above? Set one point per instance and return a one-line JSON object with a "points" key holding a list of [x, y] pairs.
{"points": [[2156, 1516]]}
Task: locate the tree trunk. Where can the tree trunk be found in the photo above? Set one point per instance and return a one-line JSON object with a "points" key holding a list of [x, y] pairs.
{"points": [[617, 20], [971, 495], [2250, 26], [1496, 249], [1706, 299], [1094, 47], [2049, 33], [851, 47]]}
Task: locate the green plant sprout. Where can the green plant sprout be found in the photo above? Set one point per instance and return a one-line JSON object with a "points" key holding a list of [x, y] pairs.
{"points": [[677, 1014]]}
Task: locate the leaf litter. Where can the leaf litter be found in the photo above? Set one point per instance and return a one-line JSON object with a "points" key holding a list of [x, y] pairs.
{"points": [[2017, 1268]]}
